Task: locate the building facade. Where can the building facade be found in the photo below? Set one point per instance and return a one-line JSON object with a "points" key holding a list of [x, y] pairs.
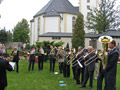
{"points": [[84, 6], [55, 16]]}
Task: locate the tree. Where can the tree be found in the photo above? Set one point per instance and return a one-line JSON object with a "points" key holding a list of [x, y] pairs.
{"points": [[9, 36], [78, 38], [3, 36], [103, 18], [21, 31]]}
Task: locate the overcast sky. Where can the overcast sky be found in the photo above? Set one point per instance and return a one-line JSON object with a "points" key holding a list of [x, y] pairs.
{"points": [[13, 11]]}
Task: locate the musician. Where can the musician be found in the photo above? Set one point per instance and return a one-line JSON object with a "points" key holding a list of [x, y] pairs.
{"points": [[4, 50], [79, 69], [60, 55], [96, 67], [4, 65], [52, 58], [111, 68], [32, 59], [101, 76], [73, 67], [66, 66], [15, 54], [40, 58], [89, 69]]}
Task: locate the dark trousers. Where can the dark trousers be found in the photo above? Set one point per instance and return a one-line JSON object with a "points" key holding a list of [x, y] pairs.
{"points": [[100, 78], [2, 88], [31, 62], [66, 70], [78, 72], [74, 71], [40, 63], [110, 82], [88, 74], [17, 66], [52, 64], [61, 67]]}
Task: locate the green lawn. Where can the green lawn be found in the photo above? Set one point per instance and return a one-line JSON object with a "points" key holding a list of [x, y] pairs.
{"points": [[43, 80]]}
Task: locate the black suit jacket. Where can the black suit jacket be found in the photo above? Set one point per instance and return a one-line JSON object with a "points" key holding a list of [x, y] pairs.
{"points": [[111, 67], [4, 65], [91, 66], [16, 57]]}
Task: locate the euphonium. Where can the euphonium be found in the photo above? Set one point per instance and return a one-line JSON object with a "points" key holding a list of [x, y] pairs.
{"points": [[105, 40]]}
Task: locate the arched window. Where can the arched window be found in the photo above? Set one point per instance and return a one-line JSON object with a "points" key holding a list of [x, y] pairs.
{"points": [[73, 22], [38, 28]]}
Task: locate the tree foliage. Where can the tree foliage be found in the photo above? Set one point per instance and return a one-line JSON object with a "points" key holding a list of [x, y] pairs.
{"points": [[3, 36], [21, 31], [46, 44], [103, 18], [9, 36], [78, 38]]}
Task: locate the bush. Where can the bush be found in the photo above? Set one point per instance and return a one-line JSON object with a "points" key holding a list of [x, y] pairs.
{"points": [[28, 46]]}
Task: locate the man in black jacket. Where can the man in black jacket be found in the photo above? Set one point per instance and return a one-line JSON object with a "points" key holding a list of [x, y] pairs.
{"points": [[4, 65], [89, 69], [111, 67], [79, 69]]}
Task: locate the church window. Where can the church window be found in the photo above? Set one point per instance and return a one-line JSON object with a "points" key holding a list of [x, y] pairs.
{"points": [[57, 38], [38, 27], [73, 22], [88, 1], [88, 7]]}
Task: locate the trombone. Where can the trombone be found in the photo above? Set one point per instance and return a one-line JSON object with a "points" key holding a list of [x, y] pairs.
{"points": [[92, 59]]}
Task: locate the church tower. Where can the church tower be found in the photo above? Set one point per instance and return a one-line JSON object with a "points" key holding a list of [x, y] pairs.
{"points": [[84, 6]]}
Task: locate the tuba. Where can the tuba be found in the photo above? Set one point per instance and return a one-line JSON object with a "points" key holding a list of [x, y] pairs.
{"points": [[105, 40]]}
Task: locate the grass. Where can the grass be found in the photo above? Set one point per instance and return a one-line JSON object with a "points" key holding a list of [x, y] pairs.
{"points": [[44, 80]]}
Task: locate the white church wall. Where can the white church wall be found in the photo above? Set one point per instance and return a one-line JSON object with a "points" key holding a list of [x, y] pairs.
{"points": [[69, 23], [36, 30], [41, 24], [32, 33], [51, 24]]}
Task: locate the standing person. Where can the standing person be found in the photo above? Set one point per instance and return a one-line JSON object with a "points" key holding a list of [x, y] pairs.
{"points": [[79, 69], [66, 65], [4, 50], [111, 67], [60, 55], [89, 69], [32, 59], [40, 58], [4, 65], [52, 59], [101, 76], [15, 54]]}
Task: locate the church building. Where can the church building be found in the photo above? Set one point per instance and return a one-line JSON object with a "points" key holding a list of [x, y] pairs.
{"points": [[55, 16], [55, 21]]}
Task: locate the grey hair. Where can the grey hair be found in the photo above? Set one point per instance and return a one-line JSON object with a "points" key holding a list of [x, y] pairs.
{"points": [[90, 47]]}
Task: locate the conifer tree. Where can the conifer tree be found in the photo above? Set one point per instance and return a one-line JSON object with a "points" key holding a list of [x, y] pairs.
{"points": [[78, 38]]}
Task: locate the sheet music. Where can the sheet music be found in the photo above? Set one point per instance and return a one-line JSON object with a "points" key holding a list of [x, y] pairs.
{"points": [[12, 64]]}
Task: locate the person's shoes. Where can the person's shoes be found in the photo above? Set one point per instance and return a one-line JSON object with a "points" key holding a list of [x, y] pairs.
{"points": [[89, 87], [83, 86]]}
